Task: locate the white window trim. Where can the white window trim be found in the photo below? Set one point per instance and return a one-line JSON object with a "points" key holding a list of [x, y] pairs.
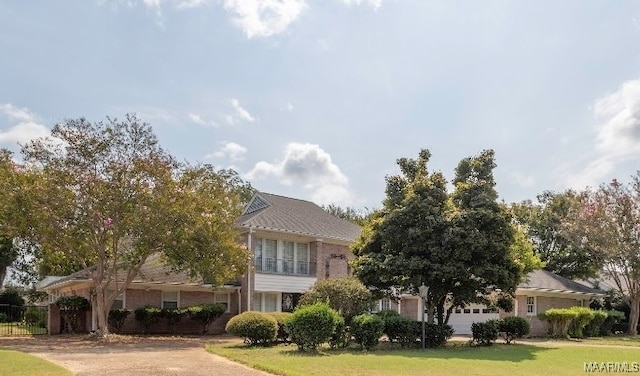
{"points": [[162, 299], [280, 254], [534, 305], [215, 296]]}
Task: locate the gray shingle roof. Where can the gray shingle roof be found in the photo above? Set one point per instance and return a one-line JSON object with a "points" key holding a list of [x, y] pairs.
{"points": [[284, 214], [546, 281]]}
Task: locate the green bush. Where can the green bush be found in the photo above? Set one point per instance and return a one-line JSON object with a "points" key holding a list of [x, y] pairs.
{"points": [[4, 317], [386, 313], [513, 327], [117, 317], [281, 318], [584, 315], [484, 333], [147, 316], [256, 328], [436, 335], [367, 330], [12, 297], [312, 325], [205, 314], [592, 329], [35, 316], [341, 336], [559, 320], [613, 317], [347, 295], [71, 309], [401, 329]]}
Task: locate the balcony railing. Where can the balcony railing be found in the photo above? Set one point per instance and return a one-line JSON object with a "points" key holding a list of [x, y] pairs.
{"points": [[286, 267]]}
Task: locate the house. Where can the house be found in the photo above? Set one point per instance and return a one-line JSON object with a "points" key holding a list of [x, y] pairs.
{"points": [[294, 243], [540, 291]]}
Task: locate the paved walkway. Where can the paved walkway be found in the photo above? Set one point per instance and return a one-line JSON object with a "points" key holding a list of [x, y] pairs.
{"points": [[131, 356]]}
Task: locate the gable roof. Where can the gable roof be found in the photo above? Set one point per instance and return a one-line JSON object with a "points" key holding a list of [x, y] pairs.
{"points": [[543, 280], [289, 215]]}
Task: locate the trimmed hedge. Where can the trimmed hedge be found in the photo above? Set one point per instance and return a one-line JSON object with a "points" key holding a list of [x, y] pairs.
{"points": [[281, 318], [147, 316], [312, 325], [71, 308], [578, 321], [592, 329], [436, 335], [485, 333], [401, 329], [367, 330], [341, 336], [513, 327], [117, 317], [613, 318], [559, 320], [205, 314], [256, 328]]}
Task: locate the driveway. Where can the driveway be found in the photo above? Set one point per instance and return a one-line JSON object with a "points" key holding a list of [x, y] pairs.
{"points": [[125, 355]]}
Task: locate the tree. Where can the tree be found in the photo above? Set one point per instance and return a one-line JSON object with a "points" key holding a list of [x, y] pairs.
{"points": [[458, 244], [347, 295], [350, 214], [609, 222], [561, 249], [8, 171], [105, 196]]}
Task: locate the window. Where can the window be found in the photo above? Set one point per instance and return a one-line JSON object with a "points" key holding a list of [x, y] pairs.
{"points": [[118, 303], [257, 253], [302, 256], [170, 299], [280, 256], [476, 310], [467, 310], [385, 304], [265, 302], [288, 252], [531, 305], [270, 256], [458, 310], [256, 302], [222, 298]]}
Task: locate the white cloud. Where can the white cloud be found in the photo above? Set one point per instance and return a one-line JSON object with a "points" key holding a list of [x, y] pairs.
{"points": [[618, 134], [523, 180], [374, 3], [197, 118], [230, 150], [26, 129], [264, 18], [289, 106], [310, 167], [239, 115]]}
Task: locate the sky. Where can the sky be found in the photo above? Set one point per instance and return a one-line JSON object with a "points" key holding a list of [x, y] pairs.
{"points": [[317, 99]]}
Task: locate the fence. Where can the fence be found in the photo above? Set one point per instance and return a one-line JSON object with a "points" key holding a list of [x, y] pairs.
{"points": [[22, 320]]}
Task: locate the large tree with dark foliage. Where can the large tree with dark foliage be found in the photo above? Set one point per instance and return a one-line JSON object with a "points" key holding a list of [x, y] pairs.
{"points": [[458, 244]]}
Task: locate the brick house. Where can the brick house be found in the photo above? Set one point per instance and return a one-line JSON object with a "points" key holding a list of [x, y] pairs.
{"points": [[293, 242]]}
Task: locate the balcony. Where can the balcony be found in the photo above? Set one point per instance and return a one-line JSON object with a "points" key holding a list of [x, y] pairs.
{"points": [[284, 267]]}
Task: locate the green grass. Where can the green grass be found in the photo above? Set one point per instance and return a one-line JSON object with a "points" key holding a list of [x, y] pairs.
{"points": [[15, 329], [613, 341], [17, 363], [495, 360]]}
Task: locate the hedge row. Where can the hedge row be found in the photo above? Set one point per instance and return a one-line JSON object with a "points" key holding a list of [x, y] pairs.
{"points": [[204, 314], [580, 321], [512, 327]]}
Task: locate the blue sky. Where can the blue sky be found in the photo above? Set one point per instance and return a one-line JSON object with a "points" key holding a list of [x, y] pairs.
{"points": [[317, 99]]}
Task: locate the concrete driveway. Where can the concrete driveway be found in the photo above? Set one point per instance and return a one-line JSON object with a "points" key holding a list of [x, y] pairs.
{"points": [[130, 355]]}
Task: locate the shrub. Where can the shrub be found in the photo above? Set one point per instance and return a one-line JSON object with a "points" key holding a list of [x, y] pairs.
{"points": [[584, 315], [367, 330], [386, 313], [11, 296], [559, 320], [401, 329], [484, 333], [613, 317], [71, 307], [312, 325], [347, 295], [513, 327], [35, 316], [436, 335], [341, 335], [4, 317], [147, 316], [256, 328], [173, 316], [281, 317], [205, 314], [117, 317], [593, 327]]}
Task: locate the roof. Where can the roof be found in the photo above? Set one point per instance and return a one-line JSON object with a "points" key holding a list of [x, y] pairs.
{"points": [[284, 214], [153, 271], [543, 280]]}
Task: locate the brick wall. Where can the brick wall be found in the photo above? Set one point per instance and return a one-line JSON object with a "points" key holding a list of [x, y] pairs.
{"points": [[328, 263], [410, 307], [54, 319]]}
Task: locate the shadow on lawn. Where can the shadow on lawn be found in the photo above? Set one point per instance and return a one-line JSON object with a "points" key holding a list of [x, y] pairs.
{"points": [[496, 352]]}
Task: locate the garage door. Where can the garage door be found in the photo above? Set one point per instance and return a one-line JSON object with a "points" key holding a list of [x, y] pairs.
{"points": [[462, 318]]}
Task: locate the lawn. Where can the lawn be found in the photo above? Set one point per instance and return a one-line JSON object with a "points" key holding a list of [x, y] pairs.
{"points": [[495, 360], [17, 363]]}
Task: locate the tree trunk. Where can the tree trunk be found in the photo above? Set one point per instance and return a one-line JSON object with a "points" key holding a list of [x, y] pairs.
{"points": [[634, 314], [101, 311], [3, 274]]}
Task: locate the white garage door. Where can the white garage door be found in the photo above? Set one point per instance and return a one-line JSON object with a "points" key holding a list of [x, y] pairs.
{"points": [[462, 318]]}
